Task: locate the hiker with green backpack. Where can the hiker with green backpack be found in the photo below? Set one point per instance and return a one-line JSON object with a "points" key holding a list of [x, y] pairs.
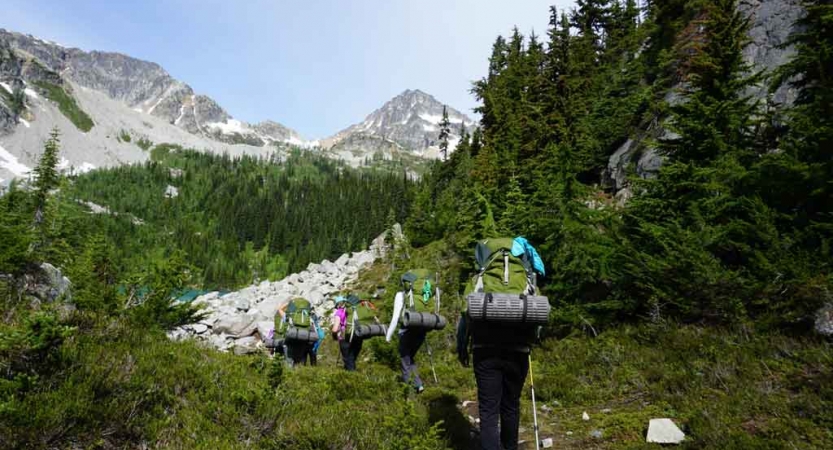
{"points": [[501, 320], [418, 313], [299, 329], [354, 321]]}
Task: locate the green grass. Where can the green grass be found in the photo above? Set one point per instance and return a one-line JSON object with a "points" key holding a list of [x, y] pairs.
{"points": [[124, 136], [67, 105]]}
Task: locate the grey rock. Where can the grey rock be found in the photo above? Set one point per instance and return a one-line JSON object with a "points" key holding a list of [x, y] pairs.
{"points": [[177, 334], [342, 260], [264, 328], [245, 345], [649, 163], [772, 21], [59, 285], [171, 192], [199, 328], [617, 165], [598, 434], [242, 304], [824, 320], [664, 431], [220, 342], [236, 325], [547, 443], [48, 284]]}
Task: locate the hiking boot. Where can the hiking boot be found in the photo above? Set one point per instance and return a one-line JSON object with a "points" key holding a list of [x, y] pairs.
{"points": [[419, 389]]}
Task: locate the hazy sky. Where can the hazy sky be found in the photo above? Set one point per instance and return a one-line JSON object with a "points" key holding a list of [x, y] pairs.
{"points": [[316, 66]]}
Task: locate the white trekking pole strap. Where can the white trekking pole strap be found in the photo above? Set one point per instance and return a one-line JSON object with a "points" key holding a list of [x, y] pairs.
{"points": [[411, 297]]}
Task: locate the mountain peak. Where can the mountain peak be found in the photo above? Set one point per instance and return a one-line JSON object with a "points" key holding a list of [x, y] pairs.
{"points": [[409, 121]]}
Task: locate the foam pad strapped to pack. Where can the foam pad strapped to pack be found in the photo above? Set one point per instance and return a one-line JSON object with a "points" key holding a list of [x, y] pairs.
{"points": [[510, 308], [424, 320], [273, 343], [366, 331], [301, 334]]}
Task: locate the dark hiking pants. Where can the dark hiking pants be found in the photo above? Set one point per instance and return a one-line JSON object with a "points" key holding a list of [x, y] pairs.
{"points": [[350, 352], [409, 343], [297, 353], [500, 378]]}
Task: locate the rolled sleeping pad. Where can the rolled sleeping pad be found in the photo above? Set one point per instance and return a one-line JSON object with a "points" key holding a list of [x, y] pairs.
{"points": [[508, 308], [273, 343], [366, 331], [425, 320], [301, 334]]}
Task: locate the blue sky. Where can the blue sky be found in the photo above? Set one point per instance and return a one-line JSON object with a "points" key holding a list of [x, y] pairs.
{"points": [[316, 65]]}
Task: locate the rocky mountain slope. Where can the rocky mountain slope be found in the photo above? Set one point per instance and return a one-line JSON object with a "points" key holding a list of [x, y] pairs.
{"points": [[111, 108], [409, 122]]}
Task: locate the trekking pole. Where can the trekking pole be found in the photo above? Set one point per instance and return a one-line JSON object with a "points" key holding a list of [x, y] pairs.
{"points": [[534, 410], [431, 360]]}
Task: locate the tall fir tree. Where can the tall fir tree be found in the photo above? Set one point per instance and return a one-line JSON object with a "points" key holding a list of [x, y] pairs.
{"points": [[46, 174], [445, 132]]}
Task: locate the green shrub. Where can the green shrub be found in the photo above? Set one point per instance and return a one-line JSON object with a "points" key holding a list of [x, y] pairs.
{"points": [[144, 143], [67, 105]]}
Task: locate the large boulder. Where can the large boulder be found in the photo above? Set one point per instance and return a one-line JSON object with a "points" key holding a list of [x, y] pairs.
{"points": [[265, 328], [342, 260], [238, 325], [245, 345], [48, 284]]}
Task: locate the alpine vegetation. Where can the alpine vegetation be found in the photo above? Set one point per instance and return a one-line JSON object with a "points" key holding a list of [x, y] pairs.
{"points": [[631, 246]]}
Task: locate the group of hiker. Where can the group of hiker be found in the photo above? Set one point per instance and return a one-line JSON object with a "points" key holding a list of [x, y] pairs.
{"points": [[502, 317]]}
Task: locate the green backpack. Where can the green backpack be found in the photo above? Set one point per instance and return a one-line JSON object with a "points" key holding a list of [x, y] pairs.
{"points": [[500, 272], [360, 312], [421, 293], [297, 314]]}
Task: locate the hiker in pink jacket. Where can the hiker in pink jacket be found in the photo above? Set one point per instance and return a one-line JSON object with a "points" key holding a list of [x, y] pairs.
{"points": [[350, 348]]}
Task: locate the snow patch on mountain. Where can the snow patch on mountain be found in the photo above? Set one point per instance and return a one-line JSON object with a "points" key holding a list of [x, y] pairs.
{"points": [[230, 127], [10, 163]]}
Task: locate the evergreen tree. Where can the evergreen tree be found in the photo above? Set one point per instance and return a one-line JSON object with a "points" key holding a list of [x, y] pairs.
{"points": [[46, 174], [445, 130], [717, 115], [805, 167], [695, 218]]}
